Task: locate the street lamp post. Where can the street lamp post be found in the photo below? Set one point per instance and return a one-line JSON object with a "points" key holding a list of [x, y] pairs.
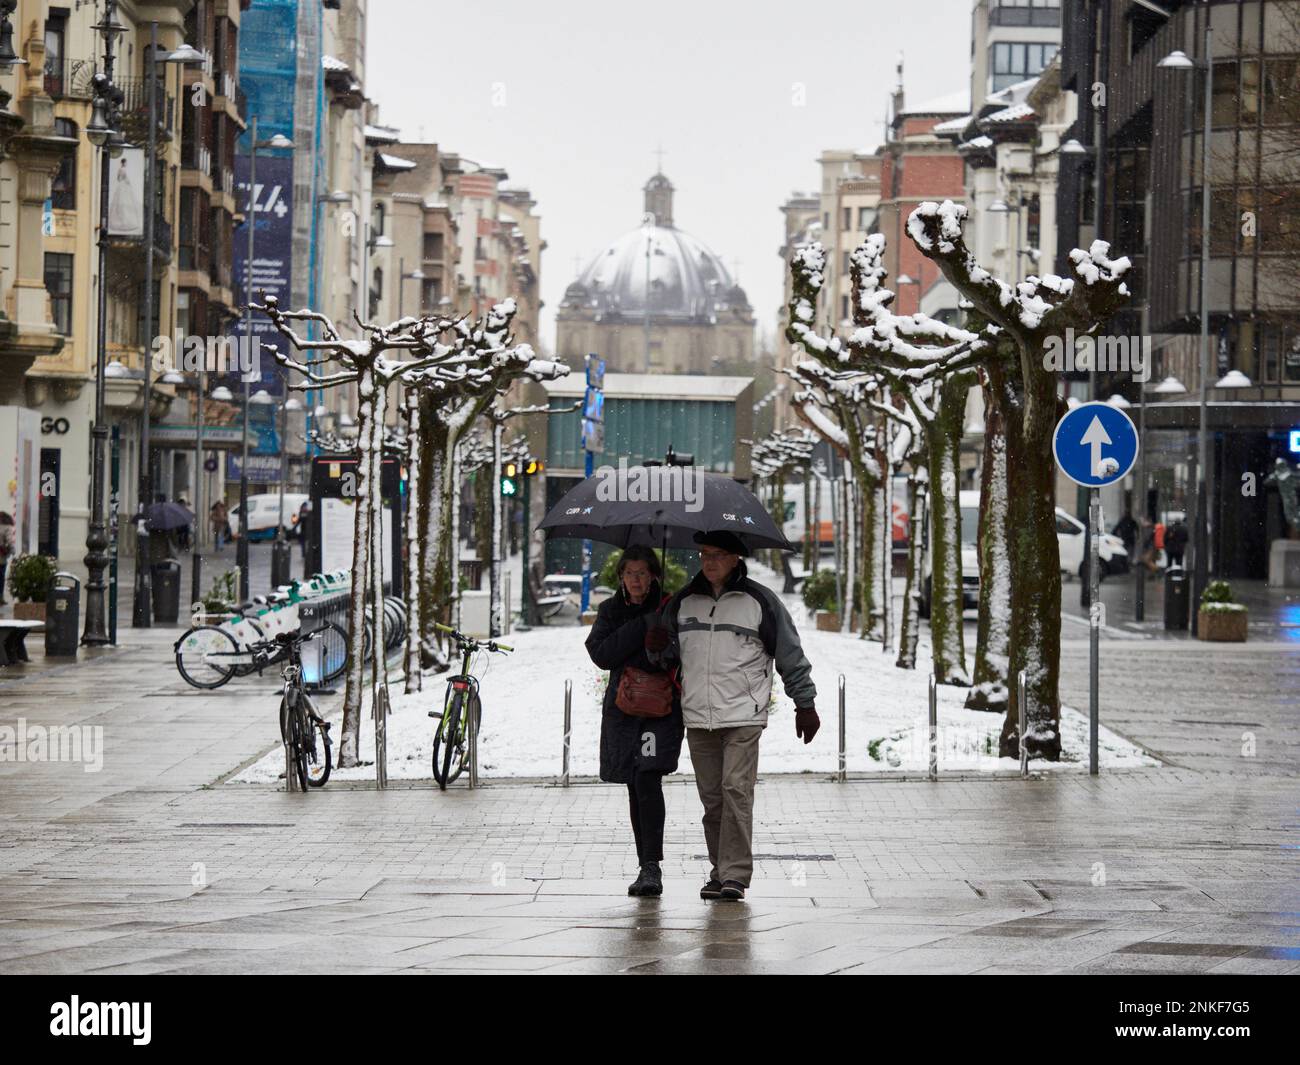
{"points": [[101, 132], [403, 277], [1201, 543], [142, 607], [241, 550]]}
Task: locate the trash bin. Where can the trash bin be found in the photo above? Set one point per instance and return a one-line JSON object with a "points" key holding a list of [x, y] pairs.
{"points": [[1177, 591], [166, 590], [63, 616]]}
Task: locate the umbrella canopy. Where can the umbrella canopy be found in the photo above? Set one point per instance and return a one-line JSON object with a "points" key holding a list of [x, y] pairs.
{"points": [[587, 511], [160, 517]]}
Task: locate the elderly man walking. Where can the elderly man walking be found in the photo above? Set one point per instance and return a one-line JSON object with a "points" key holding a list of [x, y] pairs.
{"points": [[726, 631]]}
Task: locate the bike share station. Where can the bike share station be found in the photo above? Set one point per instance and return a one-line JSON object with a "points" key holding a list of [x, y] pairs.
{"points": [[330, 535], [1095, 445]]}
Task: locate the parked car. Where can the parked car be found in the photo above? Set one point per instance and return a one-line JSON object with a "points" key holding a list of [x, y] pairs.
{"points": [[969, 503], [1071, 534], [264, 513]]}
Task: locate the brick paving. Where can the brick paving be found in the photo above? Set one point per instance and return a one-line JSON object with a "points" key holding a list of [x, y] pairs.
{"points": [[153, 866]]}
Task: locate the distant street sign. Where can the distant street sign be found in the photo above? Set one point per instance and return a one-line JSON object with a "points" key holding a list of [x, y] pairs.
{"points": [[1095, 444]]}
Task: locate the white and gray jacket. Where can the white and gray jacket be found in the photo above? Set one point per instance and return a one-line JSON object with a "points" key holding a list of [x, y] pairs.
{"points": [[726, 648]]}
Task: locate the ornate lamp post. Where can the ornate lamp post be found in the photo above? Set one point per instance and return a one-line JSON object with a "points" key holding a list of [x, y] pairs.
{"points": [[101, 132]]}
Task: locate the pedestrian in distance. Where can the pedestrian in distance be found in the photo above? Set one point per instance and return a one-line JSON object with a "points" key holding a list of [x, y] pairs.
{"points": [[1176, 542], [641, 717], [1127, 530], [220, 522], [725, 632], [6, 548]]}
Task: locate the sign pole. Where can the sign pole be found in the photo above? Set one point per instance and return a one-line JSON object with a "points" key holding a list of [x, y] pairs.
{"points": [[1095, 444], [1094, 624]]}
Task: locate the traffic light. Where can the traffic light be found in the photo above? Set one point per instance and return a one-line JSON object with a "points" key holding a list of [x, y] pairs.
{"points": [[532, 468], [510, 479]]}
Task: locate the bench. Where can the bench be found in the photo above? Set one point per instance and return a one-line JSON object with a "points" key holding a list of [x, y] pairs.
{"points": [[12, 635], [547, 606]]}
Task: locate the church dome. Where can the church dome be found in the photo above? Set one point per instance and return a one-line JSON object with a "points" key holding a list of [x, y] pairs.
{"points": [[687, 281]]}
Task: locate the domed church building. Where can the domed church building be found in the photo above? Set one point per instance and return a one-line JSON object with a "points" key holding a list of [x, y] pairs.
{"points": [[698, 319]]}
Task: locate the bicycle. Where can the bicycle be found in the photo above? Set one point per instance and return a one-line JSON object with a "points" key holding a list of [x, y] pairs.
{"points": [[451, 739], [207, 656], [304, 732]]}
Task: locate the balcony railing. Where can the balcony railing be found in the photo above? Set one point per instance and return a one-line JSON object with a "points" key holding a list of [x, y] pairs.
{"points": [[135, 108], [69, 79]]}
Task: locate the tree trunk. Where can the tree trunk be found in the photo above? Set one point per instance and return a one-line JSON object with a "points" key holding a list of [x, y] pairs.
{"points": [[352, 693], [909, 628], [433, 520], [414, 534], [992, 644], [1036, 562], [379, 644], [943, 437], [496, 614]]}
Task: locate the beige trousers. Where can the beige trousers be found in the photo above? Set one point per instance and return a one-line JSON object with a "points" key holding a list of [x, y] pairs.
{"points": [[726, 769]]}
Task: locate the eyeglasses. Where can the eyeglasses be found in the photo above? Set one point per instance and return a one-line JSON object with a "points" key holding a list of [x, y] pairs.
{"points": [[714, 556]]}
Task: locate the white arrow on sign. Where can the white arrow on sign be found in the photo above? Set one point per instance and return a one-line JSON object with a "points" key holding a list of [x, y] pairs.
{"points": [[1095, 437]]}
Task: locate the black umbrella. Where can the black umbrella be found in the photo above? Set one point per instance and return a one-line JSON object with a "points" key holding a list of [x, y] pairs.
{"points": [[597, 509], [159, 517]]}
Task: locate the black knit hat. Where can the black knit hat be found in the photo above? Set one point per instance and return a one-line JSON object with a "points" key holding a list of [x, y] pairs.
{"points": [[722, 539]]}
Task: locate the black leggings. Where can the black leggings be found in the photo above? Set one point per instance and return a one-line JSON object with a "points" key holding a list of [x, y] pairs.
{"points": [[645, 793]]}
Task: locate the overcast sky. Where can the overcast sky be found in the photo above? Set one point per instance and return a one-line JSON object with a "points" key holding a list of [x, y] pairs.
{"points": [[573, 99]]}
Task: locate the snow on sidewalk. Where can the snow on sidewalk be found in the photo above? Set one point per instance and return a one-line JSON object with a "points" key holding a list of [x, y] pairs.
{"points": [[886, 715]]}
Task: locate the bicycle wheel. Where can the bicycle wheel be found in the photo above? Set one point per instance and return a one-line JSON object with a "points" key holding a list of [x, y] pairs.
{"points": [[462, 762], [334, 644], [206, 656], [257, 634], [291, 731], [444, 742], [319, 755]]}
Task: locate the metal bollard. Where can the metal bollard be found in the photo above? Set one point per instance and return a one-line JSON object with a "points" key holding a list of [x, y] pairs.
{"points": [[1023, 700], [472, 726], [568, 718], [842, 775], [381, 739], [934, 729]]}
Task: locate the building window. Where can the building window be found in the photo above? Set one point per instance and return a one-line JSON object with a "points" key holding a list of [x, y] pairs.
{"points": [[1281, 91], [433, 246], [844, 308], [1024, 12], [848, 218], [56, 28], [58, 283], [63, 189], [1012, 61], [865, 217]]}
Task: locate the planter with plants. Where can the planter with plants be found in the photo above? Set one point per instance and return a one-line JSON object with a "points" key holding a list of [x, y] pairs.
{"points": [[1219, 618], [30, 579], [818, 594]]}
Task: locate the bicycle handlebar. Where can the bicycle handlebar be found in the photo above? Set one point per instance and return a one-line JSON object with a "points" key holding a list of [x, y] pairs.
{"points": [[469, 641]]}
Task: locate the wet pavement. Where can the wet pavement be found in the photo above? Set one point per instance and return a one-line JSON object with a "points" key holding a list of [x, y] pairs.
{"points": [[152, 865]]}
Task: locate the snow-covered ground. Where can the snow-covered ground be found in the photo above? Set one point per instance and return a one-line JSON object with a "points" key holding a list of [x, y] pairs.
{"points": [[886, 715]]}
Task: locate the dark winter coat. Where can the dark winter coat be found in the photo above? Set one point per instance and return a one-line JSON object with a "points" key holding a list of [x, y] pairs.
{"points": [[630, 744]]}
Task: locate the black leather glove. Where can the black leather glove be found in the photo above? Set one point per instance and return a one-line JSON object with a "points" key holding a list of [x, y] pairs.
{"points": [[657, 638], [806, 723]]}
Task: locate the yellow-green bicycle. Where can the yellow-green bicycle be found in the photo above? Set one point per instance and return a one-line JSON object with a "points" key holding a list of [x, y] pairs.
{"points": [[451, 740]]}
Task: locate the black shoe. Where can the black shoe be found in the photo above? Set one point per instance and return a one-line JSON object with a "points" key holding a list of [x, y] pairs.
{"points": [[649, 882], [711, 890], [732, 891]]}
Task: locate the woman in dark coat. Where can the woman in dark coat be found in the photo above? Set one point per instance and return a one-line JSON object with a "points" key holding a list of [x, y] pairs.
{"points": [[636, 751]]}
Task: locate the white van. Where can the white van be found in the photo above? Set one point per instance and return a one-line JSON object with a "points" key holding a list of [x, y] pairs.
{"points": [[264, 513]]}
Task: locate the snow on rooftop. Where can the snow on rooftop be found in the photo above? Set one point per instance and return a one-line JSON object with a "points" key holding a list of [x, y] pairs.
{"points": [[955, 103], [1014, 113], [977, 143], [396, 162], [387, 134], [953, 125], [655, 386], [334, 64]]}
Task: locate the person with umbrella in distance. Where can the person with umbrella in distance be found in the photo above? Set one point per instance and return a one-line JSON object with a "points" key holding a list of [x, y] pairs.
{"points": [[726, 632], [635, 749]]}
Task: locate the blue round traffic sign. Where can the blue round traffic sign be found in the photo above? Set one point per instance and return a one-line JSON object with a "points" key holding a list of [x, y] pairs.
{"points": [[1095, 444]]}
